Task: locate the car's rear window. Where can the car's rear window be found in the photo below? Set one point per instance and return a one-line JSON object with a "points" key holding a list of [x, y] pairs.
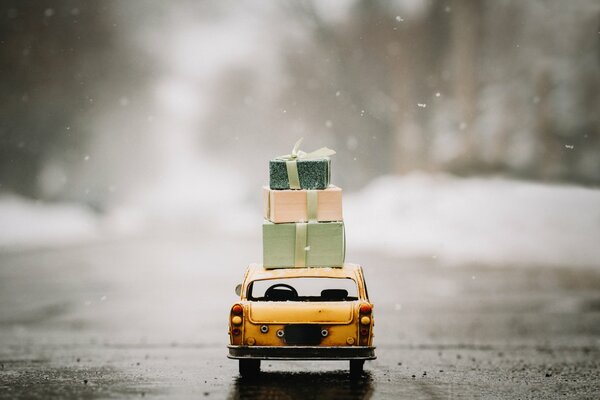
{"points": [[303, 289]]}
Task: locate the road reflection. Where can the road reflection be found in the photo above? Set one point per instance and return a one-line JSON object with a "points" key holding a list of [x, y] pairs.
{"points": [[303, 385]]}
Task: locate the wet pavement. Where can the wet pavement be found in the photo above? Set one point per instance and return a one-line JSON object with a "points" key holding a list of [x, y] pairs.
{"points": [[147, 317]]}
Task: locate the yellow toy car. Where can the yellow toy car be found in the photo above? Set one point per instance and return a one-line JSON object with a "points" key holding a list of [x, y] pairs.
{"points": [[301, 314]]}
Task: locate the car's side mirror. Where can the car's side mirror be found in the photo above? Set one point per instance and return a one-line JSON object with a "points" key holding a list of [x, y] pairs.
{"points": [[238, 289]]}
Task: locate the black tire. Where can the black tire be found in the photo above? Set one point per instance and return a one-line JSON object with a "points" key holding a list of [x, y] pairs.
{"points": [[249, 368], [356, 368]]}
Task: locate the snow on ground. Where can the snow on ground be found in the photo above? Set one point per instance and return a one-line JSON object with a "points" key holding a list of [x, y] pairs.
{"points": [[443, 218], [476, 220], [30, 223]]}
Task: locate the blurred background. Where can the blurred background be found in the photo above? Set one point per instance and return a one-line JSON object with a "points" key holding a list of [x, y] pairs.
{"points": [[134, 142], [118, 115]]}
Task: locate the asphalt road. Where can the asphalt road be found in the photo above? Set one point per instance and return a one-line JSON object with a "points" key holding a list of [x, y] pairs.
{"points": [[147, 317]]}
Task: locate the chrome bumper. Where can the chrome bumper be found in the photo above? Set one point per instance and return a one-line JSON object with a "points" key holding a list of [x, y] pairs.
{"points": [[302, 352]]}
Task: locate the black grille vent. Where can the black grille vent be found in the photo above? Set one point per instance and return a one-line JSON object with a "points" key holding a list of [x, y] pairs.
{"points": [[303, 335]]}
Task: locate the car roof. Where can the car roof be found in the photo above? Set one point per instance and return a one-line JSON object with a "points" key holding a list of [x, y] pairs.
{"points": [[257, 271]]}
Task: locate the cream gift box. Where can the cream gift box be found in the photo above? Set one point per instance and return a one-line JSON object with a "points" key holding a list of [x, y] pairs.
{"points": [[281, 206]]}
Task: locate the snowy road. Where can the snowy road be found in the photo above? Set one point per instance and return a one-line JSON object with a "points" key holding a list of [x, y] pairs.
{"points": [[147, 317]]}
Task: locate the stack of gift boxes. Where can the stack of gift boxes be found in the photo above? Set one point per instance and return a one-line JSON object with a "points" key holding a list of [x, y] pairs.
{"points": [[303, 224]]}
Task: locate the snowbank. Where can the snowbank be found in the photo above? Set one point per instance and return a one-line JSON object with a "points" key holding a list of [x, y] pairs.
{"points": [[477, 220], [442, 218], [26, 223]]}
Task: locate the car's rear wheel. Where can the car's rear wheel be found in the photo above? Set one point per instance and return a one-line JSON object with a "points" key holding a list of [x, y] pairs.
{"points": [[356, 368], [249, 368]]}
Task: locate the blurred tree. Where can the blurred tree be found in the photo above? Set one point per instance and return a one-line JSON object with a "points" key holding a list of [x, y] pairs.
{"points": [[465, 47], [466, 86], [369, 79], [462, 85], [57, 59]]}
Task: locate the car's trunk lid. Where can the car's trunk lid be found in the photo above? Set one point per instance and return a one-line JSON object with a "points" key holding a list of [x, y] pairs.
{"points": [[286, 312]]}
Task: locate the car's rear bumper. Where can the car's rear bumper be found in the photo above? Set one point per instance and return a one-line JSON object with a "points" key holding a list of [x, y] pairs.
{"points": [[302, 352]]}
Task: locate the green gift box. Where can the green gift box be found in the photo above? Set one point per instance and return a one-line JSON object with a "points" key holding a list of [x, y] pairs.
{"points": [[303, 244], [301, 170], [312, 174]]}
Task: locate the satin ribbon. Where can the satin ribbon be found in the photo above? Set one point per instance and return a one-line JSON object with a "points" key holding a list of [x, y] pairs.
{"points": [[311, 205], [300, 251], [292, 172], [297, 154]]}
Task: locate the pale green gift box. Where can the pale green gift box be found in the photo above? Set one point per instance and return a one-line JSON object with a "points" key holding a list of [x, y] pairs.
{"points": [[319, 244]]}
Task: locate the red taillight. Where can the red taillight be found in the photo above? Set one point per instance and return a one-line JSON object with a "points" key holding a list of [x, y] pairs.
{"points": [[235, 331], [364, 331], [237, 309], [365, 308]]}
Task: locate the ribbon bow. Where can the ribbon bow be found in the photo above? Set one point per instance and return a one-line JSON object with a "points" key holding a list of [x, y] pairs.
{"points": [[297, 154]]}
